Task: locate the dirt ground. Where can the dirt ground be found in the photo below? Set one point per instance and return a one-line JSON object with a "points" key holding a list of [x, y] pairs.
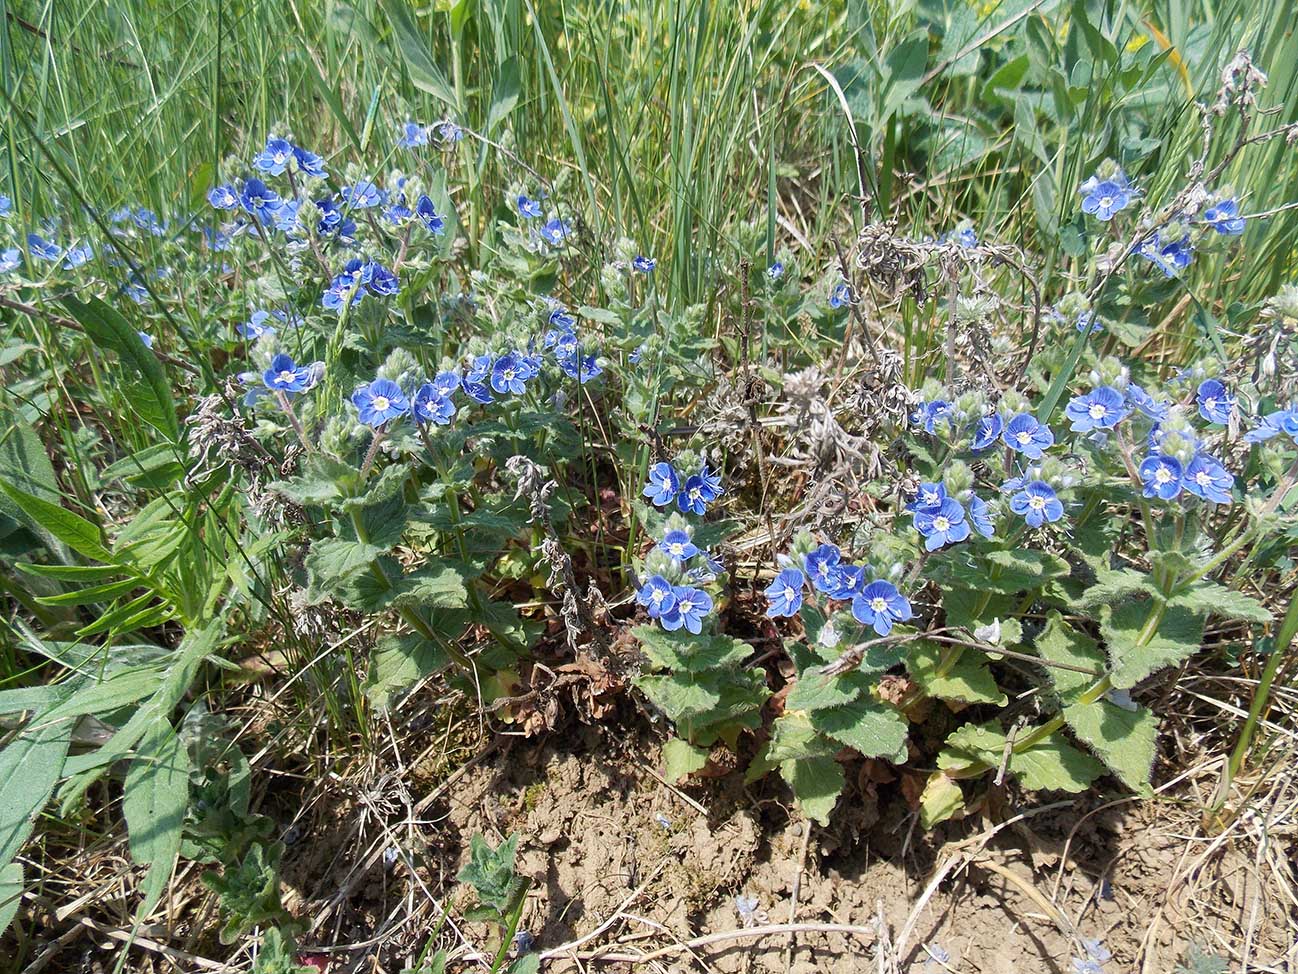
{"points": [[629, 865]]}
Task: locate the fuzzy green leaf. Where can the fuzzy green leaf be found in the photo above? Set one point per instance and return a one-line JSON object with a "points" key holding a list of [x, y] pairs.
{"points": [[815, 691], [1134, 655], [11, 893], [872, 728], [71, 529], [1210, 598], [399, 662], [681, 758], [30, 766], [685, 651], [333, 562], [968, 680], [1125, 740], [1055, 765], [1061, 643], [681, 695], [1116, 586], [816, 783], [940, 799], [154, 799], [322, 480]]}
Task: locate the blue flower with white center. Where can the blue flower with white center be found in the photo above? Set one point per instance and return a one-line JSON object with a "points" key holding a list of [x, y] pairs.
{"points": [[775, 271], [663, 484], [146, 339], [256, 327], [643, 264], [987, 432], [308, 163], [847, 582], [1143, 401], [274, 158], [333, 220], [821, 565], [449, 131], [583, 368], [380, 402], [509, 374], [980, 516], [10, 259], [964, 237], [1106, 198], [1161, 476], [398, 212], [1215, 401], [1037, 503], [383, 281], [432, 405], [223, 197], [1283, 421], [148, 221], [677, 544], [1027, 436], [446, 383], [693, 496], [928, 497], [349, 285], [1087, 319], [564, 343], [785, 594], [657, 596], [636, 355], [363, 195], [285, 216], [555, 231], [943, 526], [1224, 217], [692, 605], [286, 376], [528, 208], [561, 318], [42, 248], [1206, 477], [1100, 409], [427, 213], [929, 414], [879, 605], [78, 255], [840, 295], [476, 389], [260, 200], [1169, 256], [412, 134], [712, 488]]}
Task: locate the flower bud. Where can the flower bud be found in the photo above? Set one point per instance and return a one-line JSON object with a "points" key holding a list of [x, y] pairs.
{"points": [[958, 479]]}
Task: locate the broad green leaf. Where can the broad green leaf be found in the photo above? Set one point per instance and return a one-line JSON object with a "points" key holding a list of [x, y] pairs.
{"points": [[106, 592], [681, 758], [1210, 598], [71, 529], [1055, 765], [432, 585], [685, 651], [1116, 586], [334, 561], [504, 93], [25, 465], [30, 766], [154, 799], [490, 871], [38, 698], [424, 73], [11, 893], [1135, 651], [903, 69], [816, 783], [1061, 643], [815, 691], [150, 395], [399, 662], [322, 480], [874, 729], [940, 799], [527, 964], [1124, 739], [967, 680], [118, 689], [682, 695]]}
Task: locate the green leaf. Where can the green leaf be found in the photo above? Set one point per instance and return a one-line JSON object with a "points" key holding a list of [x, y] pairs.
{"points": [[874, 729], [1211, 598], [1055, 765], [685, 651], [74, 531], [505, 91], [681, 758], [1061, 643], [25, 464], [1133, 654], [903, 69], [968, 680], [1006, 572], [116, 690], [815, 691], [399, 662], [11, 893], [424, 73], [154, 799], [322, 480], [816, 783], [1125, 740], [491, 871], [940, 799], [682, 695], [150, 396], [527, 964], [334, 561], [30, 767], [1116, 586], [432, 585]]}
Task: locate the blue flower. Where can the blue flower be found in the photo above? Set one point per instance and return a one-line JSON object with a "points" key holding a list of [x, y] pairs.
{"points": [[508, 374], [285, 376], [880, 605], [785, 594], [840, 295], [943, 526], [1105, 198], [1206, 477], [476, 389], [583, 368], [663, 484], [555, 232], [1170, 257], [433, 403], [445, 383], [78, 255], [398, 212], [692, 605], [1161, 476], [848, 581], [775, 271], [693, 498], [636, 355], [223, 197], [274, 158], [712, 488], [1224, 217], [260, 200], [528, 208], [928, 497], [6, 206], [987, 432], [333, 220], [657, 596], [964, 237], [643, 264], [1282, 421], [929, 414], [678, 545], [309, 163], [412, 134], [560, 317], [1037, 503], [10, 259], [1101, 408], [1138, 397], [255, 327], [822, 565], [285, 215], [1088, 318], [380, 401], [1215, 401], [363, 195], [42, 248], [449, 131], [349, 285], [428, 216], [146, 339], [980, 516], [1024, 434], [383, 281]]}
